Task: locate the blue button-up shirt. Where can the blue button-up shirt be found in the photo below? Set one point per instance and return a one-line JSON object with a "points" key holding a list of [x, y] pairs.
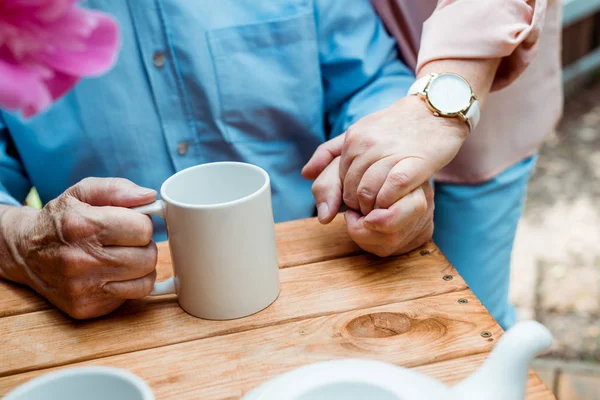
{"points": [[263, 81]]}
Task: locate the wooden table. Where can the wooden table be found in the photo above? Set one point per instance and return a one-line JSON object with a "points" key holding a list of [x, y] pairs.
{"points": [[413, 310]]}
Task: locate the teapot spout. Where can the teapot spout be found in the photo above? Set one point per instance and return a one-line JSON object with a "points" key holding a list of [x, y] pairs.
{"points": [[504, 374]]}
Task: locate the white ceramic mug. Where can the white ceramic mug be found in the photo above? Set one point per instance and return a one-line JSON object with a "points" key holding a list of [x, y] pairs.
{"points": [[89, 383], [222, 239]]}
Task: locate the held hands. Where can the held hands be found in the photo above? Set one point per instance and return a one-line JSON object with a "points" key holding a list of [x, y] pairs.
{"points": [[84, 251], [380, 168]]}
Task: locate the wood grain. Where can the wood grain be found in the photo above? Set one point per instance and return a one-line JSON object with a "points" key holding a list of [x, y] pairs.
{"points": [[46, 338], [298, 242], [16, 299], [410, 333], [306, 241], [334, 303]]}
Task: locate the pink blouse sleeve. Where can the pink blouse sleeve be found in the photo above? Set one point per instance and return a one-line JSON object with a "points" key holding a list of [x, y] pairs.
{"points": [[484, 29]]}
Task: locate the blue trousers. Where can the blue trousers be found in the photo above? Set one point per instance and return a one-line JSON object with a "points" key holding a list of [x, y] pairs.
{"points": [[475, 228]]}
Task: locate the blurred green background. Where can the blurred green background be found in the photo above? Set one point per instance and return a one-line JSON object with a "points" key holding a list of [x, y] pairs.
{"points": [[33, 199]]}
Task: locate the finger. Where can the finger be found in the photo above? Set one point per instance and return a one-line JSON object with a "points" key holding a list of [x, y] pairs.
{"points": [[363, 236], [327, 190], [407, 175], [380, 244], [420, 234], [404, 246], [346, 158], [400, 216], [111, 192], [131, 289], [126, 263], [353, 177], [121, 227], [90, 307], [424, 224], [322, 157], [371, 183]]}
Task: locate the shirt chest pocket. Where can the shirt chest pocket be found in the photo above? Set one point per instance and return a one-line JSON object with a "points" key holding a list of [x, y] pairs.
{"points": [[268, 78]]}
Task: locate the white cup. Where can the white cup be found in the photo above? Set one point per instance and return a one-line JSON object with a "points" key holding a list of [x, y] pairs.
{"points": [[222, 239], [89, 383]]}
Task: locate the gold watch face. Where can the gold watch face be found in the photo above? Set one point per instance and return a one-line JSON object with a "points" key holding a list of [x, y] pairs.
{"points": [[449, 94]]}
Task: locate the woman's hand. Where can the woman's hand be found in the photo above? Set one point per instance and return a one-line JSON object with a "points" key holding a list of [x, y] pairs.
{"points": [[382, 165], [387, 155], [390, 153]]}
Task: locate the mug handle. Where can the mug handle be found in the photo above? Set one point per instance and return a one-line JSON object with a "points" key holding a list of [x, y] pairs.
{"points": [[158, 208]]}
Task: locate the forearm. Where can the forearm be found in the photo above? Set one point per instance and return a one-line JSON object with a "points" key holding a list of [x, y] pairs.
{"points": [[480, 73], [12, 220]]}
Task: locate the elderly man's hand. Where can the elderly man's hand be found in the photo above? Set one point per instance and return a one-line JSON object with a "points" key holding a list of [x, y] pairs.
{"points": [[388, 154], [404, 226], [85, 251]]}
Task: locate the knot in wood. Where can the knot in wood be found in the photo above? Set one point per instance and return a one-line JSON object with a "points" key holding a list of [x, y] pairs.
{"points": [[379, 325]]}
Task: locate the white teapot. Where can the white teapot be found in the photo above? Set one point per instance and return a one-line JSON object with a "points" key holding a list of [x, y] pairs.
{"points": [[503, 376]]}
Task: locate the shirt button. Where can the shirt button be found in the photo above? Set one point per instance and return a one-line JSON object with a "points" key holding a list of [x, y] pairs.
{"points": [[182, 148], [158, 59]]}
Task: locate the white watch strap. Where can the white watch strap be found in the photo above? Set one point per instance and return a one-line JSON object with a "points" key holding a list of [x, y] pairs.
{"points": [[419, 86], [473, 114]]}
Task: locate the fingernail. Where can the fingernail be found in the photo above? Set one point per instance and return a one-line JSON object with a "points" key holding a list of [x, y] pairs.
{"points": [[146, 192], [370, 225], [322, 211]]}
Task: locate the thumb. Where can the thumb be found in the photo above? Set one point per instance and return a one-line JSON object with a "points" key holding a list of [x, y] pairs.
{"points": [[323, 156], [327, 190], [117, 192]]}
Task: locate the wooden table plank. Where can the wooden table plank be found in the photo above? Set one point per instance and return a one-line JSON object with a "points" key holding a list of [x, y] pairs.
{"points": [[410, 333], [398, 310], [298, 242], [306, 241], [15, 300], [46, 338]]}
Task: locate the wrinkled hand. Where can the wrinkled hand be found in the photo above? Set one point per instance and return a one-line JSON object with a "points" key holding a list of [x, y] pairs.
{"points": [[83, 251], [404, 226], [388, 154]]}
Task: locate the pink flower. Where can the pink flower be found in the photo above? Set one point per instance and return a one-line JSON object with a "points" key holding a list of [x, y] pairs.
{"points": [[47, 46]]}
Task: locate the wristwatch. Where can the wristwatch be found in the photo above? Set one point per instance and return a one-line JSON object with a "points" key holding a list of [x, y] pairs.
{"points": [[448, 95]]}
